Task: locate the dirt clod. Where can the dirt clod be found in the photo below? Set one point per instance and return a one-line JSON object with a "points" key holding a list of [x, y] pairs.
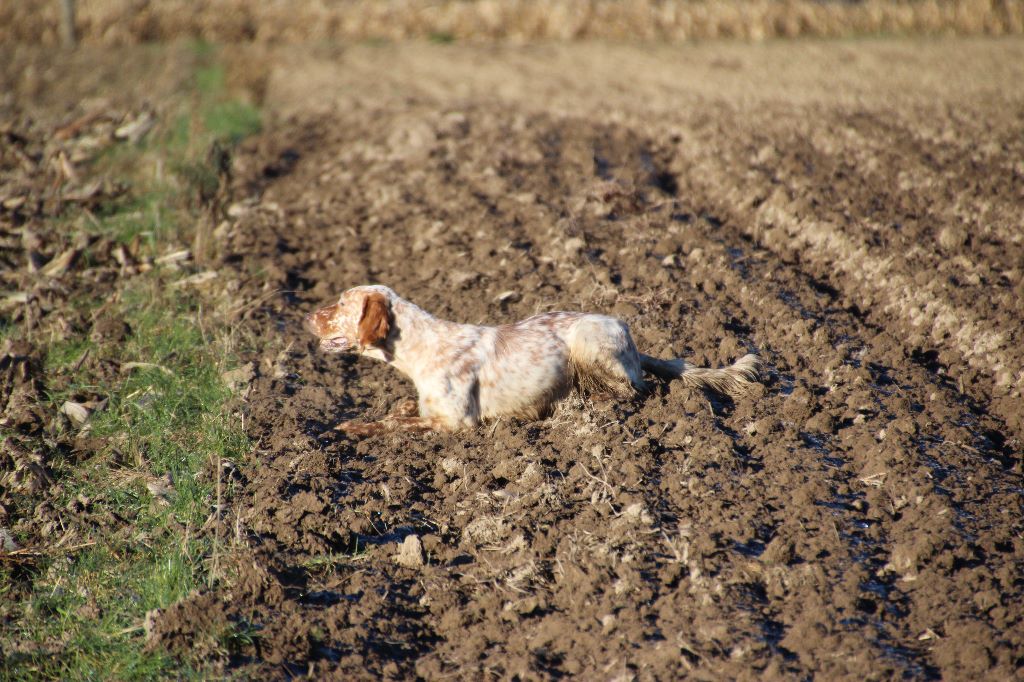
{"points": [[410, 554]]}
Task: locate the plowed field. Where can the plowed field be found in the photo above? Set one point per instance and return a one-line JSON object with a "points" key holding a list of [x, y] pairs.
{"points": [[854, 211]]}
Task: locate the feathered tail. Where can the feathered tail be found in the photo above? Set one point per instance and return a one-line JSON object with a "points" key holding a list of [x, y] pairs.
{"points": [[732, 381]]}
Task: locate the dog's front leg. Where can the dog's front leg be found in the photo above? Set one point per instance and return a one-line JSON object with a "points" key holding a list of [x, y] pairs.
{"points": [[390, 424], [406, 408]]}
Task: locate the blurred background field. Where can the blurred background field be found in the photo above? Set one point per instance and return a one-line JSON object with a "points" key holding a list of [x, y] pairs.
{"points": [[122, 22]]}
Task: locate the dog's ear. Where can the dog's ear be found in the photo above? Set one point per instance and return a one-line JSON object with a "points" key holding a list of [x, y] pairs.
{"points": [[375, 322]]}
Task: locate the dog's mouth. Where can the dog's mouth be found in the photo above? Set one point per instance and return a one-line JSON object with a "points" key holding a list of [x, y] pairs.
{"points": [[334, 345]]}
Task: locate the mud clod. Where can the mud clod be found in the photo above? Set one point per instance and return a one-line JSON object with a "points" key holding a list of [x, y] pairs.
{"points": [[410, 553]]}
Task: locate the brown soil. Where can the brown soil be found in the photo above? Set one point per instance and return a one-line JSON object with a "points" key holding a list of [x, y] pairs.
{"points": [[851, 210]]}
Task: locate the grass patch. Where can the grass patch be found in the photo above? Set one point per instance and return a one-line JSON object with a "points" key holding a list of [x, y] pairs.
{"points": [[175, 172], [441, 38], [233, 121], [225, 119], [170, 435], [325, 562], [125, 528], [148, 216]]}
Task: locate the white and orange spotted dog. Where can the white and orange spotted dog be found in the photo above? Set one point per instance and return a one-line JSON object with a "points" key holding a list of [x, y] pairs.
{"points": [[465, 373]]}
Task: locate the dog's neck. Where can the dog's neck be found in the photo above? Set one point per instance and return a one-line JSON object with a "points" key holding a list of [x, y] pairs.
{"points": [[412, 344]]}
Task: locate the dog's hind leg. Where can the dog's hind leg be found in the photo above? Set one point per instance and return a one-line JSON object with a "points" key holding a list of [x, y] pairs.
{"points": [[604, 357]]}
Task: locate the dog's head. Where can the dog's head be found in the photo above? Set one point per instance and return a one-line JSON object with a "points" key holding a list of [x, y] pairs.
{"points": [[360, 319]]}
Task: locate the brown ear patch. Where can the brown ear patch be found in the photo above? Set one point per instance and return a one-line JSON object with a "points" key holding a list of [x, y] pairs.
{"points": [[375, 322]]}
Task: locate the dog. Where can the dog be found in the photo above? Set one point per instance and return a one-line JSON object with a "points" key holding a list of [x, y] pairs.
{"points": [[468, 373]]}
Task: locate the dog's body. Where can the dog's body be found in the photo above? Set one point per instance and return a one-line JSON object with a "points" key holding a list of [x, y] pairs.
{"points": [[466, 373]]}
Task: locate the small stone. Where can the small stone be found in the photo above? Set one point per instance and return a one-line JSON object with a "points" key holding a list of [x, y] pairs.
{"points": [[574, 245], [463, 278], [7, 542], [508, 297], [451, 465], [952, 237], [238, 379], [410, 554], [239, 209], [76, 412]]}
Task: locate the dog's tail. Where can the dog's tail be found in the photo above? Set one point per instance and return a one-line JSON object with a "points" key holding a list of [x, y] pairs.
{"points": [[732, 381]]}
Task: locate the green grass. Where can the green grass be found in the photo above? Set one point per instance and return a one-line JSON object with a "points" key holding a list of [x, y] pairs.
{"points": [[145, 216], [211, 89], [441, 38], [161, 205], [233, 121], [72, 642], [76, 612], [330, 560], [225, 119], [167, 423], [61, 354]]}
